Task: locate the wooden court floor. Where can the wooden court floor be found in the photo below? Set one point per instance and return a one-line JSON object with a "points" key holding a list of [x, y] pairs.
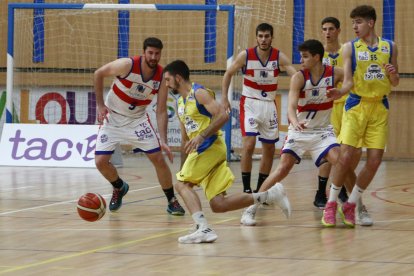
{"points": [[41, 233]]}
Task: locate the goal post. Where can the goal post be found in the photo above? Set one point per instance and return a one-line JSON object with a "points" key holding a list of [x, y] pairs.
{"points": [[74, 44]]}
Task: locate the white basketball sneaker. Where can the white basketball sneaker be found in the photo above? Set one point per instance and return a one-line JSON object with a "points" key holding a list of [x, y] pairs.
{"points": [[248, 216], [363, 217], [276, 194], [201, 235]]}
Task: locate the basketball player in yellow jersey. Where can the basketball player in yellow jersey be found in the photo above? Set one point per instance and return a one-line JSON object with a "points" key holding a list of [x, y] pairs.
{"points": [[331, 29], [204, 152], [371, 68]]}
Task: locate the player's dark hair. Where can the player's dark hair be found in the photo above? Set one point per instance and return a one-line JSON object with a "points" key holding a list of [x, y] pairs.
{"points": [[332, 20], [313, 46], [264, 27], [178, 67], [153, 42], [364, 11]]}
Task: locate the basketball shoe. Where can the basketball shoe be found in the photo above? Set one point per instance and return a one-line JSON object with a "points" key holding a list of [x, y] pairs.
{"points": [[248, 216], [276, 194], [117, 195], [201, 235], [363, 217], [174, 208], [347, 212], [329, 214]]}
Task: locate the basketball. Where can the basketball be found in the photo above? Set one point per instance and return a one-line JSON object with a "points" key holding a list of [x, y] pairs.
{"points": [[91, 206]]}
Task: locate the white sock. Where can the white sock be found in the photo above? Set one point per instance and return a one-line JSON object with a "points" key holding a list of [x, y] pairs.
{"points": [[259, 198], [356, 194], [200, 219], [333, 193]]}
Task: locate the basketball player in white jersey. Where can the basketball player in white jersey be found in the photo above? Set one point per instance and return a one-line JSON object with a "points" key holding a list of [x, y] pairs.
{"points": [[123, 114], [261, 66], [309, 112]]}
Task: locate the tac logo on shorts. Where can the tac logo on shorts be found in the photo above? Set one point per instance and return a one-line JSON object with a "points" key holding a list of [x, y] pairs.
{"points": [[290, 141], [104, 138]]}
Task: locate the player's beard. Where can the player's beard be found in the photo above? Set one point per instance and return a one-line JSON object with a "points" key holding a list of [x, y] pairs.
{"points": [[174, 89], [152, 65]]}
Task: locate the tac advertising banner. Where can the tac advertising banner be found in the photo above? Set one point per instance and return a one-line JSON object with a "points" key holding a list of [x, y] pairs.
{"points": [[48, 145]]}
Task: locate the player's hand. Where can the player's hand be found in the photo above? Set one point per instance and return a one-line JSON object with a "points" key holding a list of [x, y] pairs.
{"points": [[299, 126], [226, 104], [193, 144], [165, 148], [102, 113], [334, 93], [390, 69]]}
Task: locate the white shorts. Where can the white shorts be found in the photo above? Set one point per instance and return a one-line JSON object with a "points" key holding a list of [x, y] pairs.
{"points": [[259, 118], [317, 144], [139, 133]]}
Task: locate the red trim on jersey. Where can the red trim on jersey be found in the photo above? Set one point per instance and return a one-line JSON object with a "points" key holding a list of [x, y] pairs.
{"points": [[311, 107], [128, 99], [263, 87], [126, 82], [242, 128]]}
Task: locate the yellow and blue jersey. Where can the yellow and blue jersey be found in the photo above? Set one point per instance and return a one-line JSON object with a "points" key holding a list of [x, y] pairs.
{"points": [[369, 76], [335, 60], [206, 167], [195, 117]]}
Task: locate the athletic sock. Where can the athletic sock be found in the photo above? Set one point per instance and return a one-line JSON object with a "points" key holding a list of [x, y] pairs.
{"points": [[117, 184], [200, 219], [356, 194], [322, 183], [260, 180], [246, 176], [169, 193], [333, 193]]}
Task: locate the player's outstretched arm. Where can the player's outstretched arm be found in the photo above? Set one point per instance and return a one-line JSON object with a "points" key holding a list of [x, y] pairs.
{"points": [[296, 83], [120, 67], [286, 64], [237, 64]]}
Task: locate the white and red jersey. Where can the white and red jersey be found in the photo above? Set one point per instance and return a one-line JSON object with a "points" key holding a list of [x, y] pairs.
{"points": [[314, 108], [129, 96], [260, 80]]}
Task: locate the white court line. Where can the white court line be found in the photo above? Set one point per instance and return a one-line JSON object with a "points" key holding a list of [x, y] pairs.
{"points": [[66, 202], [11, 189]]}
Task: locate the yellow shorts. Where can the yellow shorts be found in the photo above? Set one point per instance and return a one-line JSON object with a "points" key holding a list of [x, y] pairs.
{"points": [[336, 116], [208, 170], [365, 120]]}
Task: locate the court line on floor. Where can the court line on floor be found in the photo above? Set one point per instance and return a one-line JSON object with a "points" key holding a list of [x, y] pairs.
{"points": [[12, 189], [66, 202], [103, 248]]}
